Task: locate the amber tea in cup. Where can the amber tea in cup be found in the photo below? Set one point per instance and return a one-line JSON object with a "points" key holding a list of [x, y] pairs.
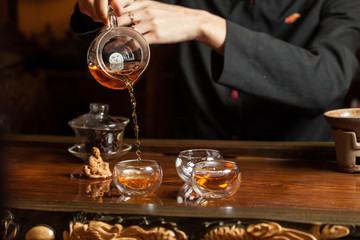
{"points": [[186, 159], [137, 178], [216, 179]]}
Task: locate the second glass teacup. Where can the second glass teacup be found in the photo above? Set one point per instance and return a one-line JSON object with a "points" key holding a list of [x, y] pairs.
{"points": [[186, 159], [216, 179], [137, 178]]}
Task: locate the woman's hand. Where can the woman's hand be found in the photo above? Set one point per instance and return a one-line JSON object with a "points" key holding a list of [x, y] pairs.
{"points": [[162, 23], [98, 9]]}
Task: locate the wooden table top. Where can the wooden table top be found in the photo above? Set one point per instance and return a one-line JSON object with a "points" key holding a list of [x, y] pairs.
{"points": [[283, 181]]}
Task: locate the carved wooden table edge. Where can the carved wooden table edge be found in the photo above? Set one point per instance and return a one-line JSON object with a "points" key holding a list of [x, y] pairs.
{"points": [[89, 226], [101, 221], [94, 220], [273, 214]]}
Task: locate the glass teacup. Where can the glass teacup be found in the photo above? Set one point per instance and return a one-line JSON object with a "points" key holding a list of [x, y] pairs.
{"points": [[137, 178], [186, 159], [216, 179]]}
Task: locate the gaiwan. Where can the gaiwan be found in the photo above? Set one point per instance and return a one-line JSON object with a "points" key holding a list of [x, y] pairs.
{"points": [[99, 129]]}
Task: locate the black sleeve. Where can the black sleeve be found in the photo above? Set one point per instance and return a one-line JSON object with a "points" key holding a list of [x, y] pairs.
{"points": [[82, 25], [307, 77]]}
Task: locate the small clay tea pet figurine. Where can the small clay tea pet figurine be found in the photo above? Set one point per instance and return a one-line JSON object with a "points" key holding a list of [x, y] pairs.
{"points": [[96, 167]]}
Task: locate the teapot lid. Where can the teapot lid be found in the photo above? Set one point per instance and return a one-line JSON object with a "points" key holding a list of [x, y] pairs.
{"points": [[98, 118]]}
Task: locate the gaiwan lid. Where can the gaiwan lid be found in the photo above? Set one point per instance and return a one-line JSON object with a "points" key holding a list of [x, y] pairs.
{"points": [[99, 119]]}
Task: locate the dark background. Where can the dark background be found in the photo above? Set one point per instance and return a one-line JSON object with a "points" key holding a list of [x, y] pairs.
{"points": [[44, 80]]}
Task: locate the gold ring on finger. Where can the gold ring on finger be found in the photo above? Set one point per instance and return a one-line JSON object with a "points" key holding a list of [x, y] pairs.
{"points": [[131, 16]]}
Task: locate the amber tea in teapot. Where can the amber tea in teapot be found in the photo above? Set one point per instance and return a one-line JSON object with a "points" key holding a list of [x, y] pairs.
{"points": [[118, 55], [116, 58]]}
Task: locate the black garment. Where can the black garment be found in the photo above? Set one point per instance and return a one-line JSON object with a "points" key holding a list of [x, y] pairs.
{"points": [[285, 63]]}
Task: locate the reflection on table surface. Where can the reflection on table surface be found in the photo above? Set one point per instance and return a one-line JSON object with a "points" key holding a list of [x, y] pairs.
{"points": [[280, 181]]}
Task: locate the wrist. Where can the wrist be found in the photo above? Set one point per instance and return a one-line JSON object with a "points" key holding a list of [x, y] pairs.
{"points": [[212, 31]]}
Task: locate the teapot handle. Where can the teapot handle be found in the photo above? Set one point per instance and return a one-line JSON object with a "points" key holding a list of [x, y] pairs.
{"points": [[112, 21]]}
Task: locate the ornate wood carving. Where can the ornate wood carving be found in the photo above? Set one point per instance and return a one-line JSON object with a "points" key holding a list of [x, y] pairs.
{"points": [[98, 230], [95, 226], [321, 231], [8, 228], [274, 231]]}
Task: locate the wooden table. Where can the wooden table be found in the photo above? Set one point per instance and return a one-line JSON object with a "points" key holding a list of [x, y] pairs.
{"points": [[294, 188]]}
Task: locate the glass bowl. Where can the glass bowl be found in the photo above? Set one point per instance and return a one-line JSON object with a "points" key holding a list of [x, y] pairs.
{"points": [[137, 178], [186, 159], [98, 129], [216, 179]]}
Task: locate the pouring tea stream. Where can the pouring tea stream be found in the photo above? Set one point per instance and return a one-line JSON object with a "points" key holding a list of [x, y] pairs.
{"points": [[116, 58]]}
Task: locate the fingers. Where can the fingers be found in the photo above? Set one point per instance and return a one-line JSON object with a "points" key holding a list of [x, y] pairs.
{"points": [[134, 13], [140, 17], [85, 7], [119, 5], [101, 10], [98, 9], [128, 18]]}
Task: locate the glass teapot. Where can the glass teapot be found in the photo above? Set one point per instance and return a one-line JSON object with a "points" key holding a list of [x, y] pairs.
{"points": [[118, 56]]}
